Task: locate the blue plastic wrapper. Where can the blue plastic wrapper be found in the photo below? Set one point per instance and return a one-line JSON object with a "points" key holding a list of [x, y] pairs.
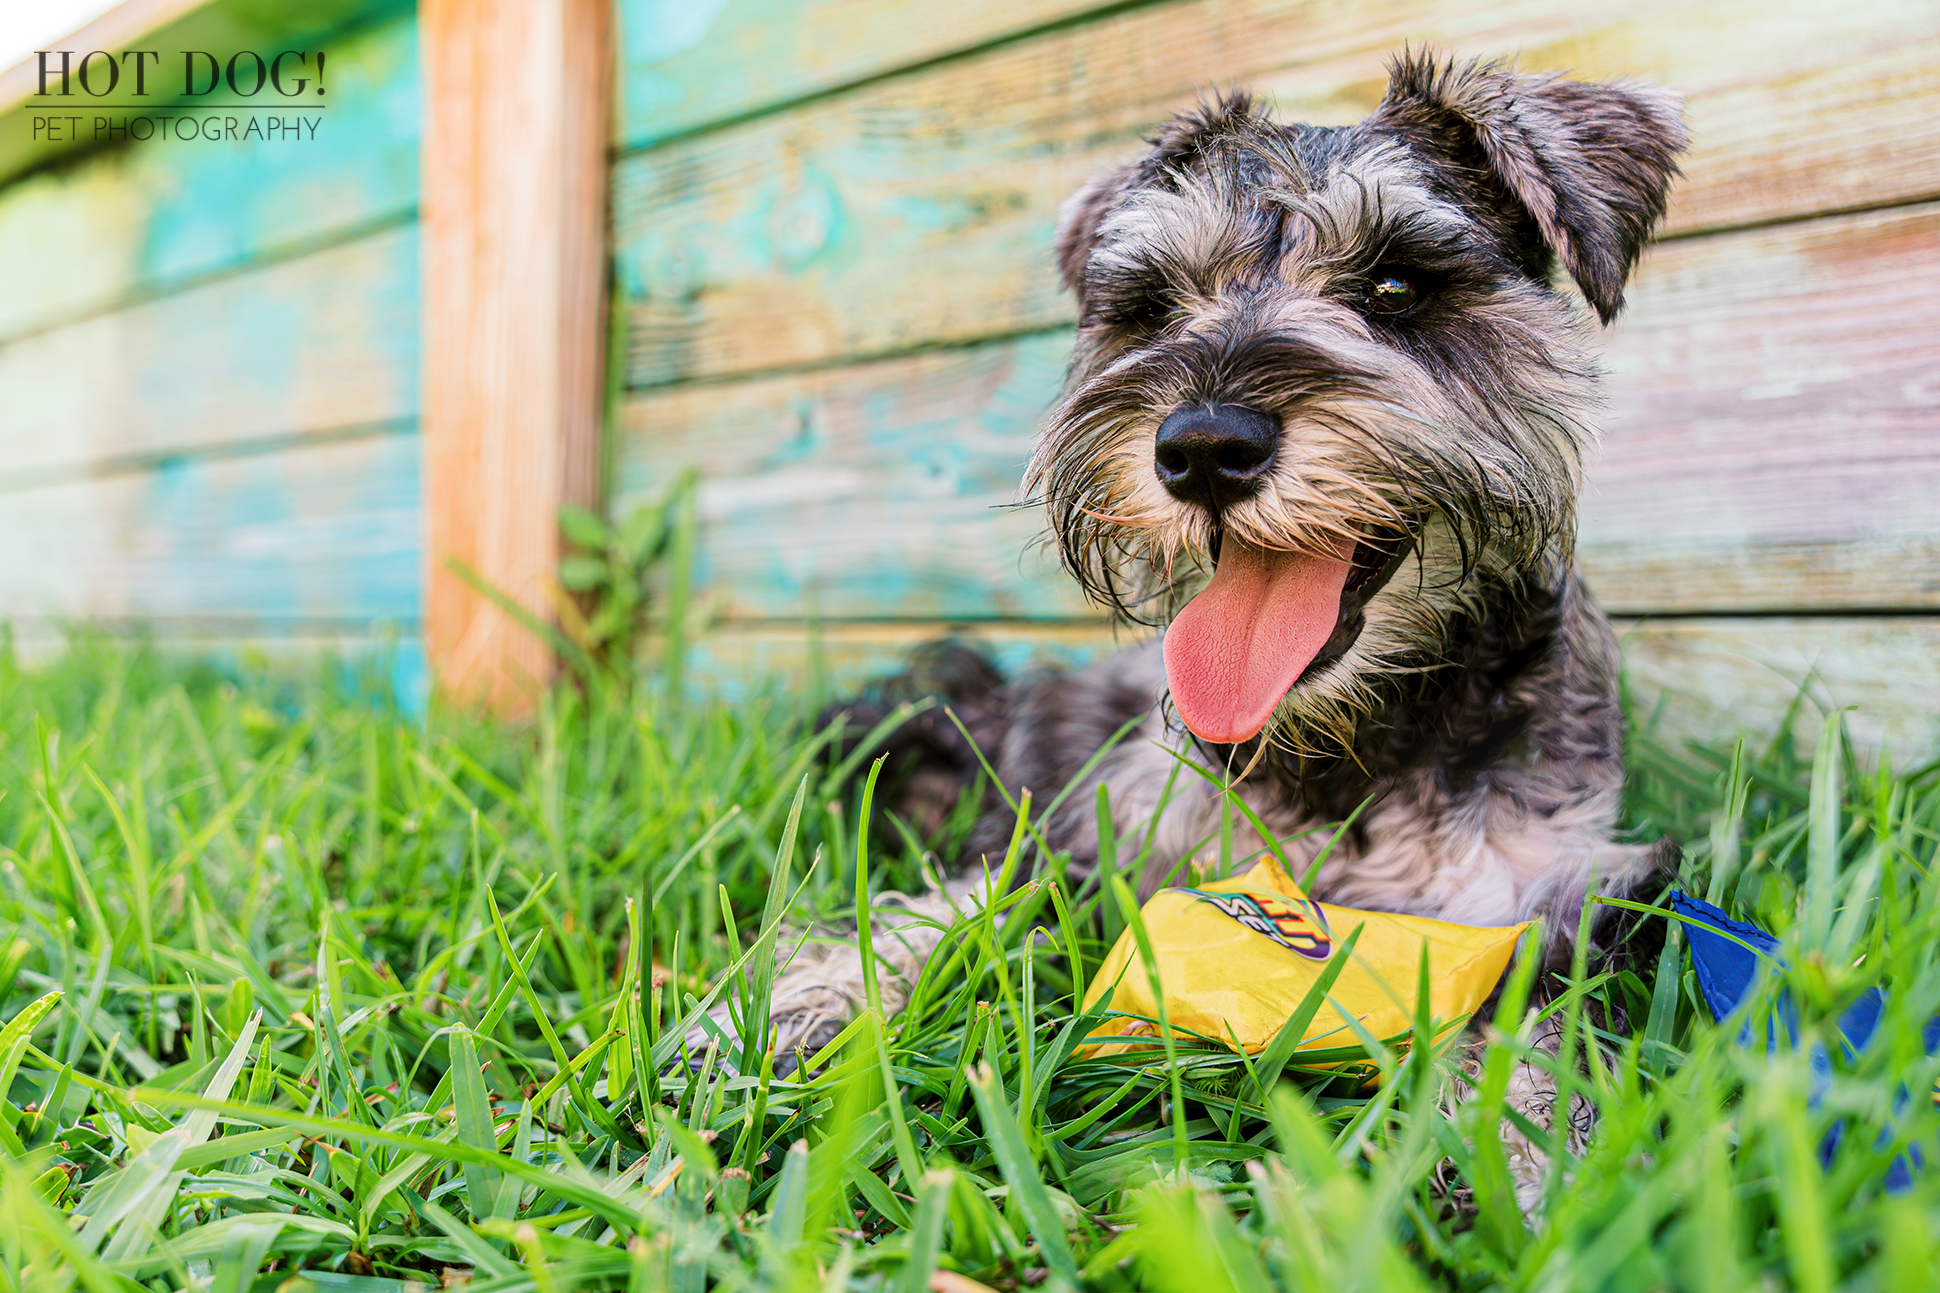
{"points": [[1725, 971]]}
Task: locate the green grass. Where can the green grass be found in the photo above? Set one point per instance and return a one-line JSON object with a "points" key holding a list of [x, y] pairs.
{"points": [[297, 983]]}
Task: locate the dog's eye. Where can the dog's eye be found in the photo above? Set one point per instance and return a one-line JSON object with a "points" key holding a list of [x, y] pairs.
{"points": [[1144, 314], [1390, 291]]}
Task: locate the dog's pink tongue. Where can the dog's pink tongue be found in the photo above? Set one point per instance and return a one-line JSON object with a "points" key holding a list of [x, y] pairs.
{"points": [[1237, 647]]}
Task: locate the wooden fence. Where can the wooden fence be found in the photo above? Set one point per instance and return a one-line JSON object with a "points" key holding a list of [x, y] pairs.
{"points": [[829, 235], [209, 350]]}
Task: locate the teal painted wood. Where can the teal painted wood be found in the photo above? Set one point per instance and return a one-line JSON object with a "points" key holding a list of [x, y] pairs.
{"points": [[742, 659], [209, 358], [316, 344], [870, 491], [685, 64], [140, 220], [789, 245], [919, 209], [318, 536]]}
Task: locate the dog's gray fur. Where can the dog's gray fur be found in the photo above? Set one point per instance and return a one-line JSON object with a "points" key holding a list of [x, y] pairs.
{"points": [[1470, 691], [1477, 701]]}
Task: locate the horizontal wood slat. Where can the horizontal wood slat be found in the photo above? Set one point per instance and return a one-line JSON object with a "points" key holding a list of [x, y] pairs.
{"points": [[328, 533], [1775, 433], [738, 657], [873, 490], [136, 221], [688, 63], [919, 209], [1861, 572], [1714, 677], [383, 662], [1707, 679], [322, 343]]}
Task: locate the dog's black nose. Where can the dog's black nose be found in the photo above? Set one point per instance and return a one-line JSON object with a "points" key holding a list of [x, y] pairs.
{"points": [[1215, 454]]}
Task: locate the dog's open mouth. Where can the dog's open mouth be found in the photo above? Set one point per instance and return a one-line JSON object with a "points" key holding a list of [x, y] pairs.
{"points": [[1267, 620]]}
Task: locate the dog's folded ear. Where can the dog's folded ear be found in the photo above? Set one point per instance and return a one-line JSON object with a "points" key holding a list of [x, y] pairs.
{"points": [[1177, 143], [1079, 217], [1591, 163]]}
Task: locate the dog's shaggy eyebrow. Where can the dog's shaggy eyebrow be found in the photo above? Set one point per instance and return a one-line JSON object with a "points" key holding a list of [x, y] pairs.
{"points": [[1127, 279], [1342, 228], [1358, 221], [1193, 227], [1409, 238]]}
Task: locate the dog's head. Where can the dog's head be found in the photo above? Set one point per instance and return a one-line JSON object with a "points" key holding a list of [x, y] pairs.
{"points": [[1325, 390]]}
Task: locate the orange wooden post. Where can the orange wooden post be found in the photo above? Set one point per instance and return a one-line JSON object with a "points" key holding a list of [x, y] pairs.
{"points": [[514, 218]]}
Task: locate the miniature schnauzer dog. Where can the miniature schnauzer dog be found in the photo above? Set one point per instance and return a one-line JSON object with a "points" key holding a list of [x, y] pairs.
{"points": [[1326, 423]]}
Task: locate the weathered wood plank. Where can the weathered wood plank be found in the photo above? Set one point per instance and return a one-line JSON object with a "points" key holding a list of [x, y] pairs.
{"points": [[919, 208], [132, 222], [1690, 574], [1771, 446], [872, 490], [1709, 679], [383, 661], [314, 344], [1702, 679], [515, 169], [1775, 401], [328, 534], [738, 657], [687, 63]]}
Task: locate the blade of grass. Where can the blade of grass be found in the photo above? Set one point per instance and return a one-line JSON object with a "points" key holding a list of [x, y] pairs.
{"points": [[864, 931], [594, 1112], [474, 1119], [926, 1233], [1129, 906], [1020, 1172], [1822, 846]]}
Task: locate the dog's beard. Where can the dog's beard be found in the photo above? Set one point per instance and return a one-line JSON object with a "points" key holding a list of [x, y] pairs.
{"points": [[1392, 504]]}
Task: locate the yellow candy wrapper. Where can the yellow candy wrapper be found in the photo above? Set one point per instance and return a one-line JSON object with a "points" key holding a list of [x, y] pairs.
{"points": [[1242, 953]]}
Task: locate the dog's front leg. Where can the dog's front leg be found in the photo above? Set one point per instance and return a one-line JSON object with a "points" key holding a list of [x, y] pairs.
{"points": [[820, 984], [1530, 1095]]}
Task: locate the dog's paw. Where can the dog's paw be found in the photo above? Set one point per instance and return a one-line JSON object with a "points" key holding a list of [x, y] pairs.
{"points": [[1531, 1094], [798, 1036], [795, 1033]]}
